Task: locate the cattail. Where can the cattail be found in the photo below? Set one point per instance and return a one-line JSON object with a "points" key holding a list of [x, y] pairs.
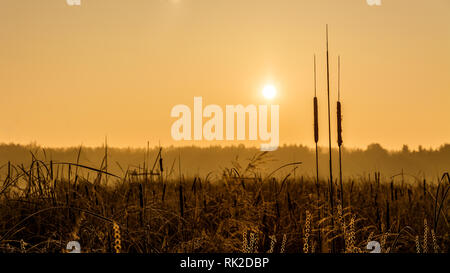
{"points": [[339, 123], [316, 120], [339, 131], [331, 191], [117, 241], [316, 140], [306, 231]]}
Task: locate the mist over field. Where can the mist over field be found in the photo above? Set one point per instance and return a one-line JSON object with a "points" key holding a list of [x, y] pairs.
{"points": [[357, 163]]}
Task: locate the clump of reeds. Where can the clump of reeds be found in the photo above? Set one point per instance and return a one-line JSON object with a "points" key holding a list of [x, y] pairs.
{"points": [[36, 218]]}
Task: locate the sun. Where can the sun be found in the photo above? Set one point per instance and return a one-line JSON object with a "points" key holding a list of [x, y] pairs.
{"points": [[269, 92]]}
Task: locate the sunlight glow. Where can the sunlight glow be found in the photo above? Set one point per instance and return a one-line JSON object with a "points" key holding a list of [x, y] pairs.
{"points": [[269, 92]]}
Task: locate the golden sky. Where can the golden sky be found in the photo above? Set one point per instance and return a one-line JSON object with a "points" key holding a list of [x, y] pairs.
{"points": [[72, 75]]}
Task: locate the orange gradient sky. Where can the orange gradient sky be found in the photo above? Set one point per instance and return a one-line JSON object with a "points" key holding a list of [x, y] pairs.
{"points": [[73, 75]]}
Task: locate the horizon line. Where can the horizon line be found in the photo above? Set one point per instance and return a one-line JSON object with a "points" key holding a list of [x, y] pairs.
{"points": [[239, 145]]}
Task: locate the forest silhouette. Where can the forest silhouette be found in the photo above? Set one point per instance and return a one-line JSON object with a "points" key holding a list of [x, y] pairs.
{"points": [[195, 161]]}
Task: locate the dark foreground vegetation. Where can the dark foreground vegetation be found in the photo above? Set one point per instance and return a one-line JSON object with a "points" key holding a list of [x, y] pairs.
{"points": [[45, 206]]}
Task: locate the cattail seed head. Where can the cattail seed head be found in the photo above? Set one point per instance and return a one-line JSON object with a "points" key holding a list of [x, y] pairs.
{"points": [[339, 123], [316, 120]]}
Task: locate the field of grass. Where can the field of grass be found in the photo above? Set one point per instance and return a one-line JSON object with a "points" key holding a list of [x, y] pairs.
{"points": [[45, 206]]}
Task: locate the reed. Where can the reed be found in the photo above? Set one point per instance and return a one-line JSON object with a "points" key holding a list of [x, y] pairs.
{"points": [[316, 140], [331, 191], [45, 218], [339, 131]]}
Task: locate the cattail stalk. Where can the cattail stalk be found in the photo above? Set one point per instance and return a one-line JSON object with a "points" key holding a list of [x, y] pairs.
{"points": [[339, 131], [329, 142], [316, 140]]}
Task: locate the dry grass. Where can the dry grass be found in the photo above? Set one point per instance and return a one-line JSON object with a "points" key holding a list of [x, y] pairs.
{"points": [[44, 207]]}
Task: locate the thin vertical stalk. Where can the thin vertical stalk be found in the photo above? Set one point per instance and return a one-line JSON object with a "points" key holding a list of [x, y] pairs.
{"points": [[339, 132], [316, 140], [329, 142], [106, 159]]}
